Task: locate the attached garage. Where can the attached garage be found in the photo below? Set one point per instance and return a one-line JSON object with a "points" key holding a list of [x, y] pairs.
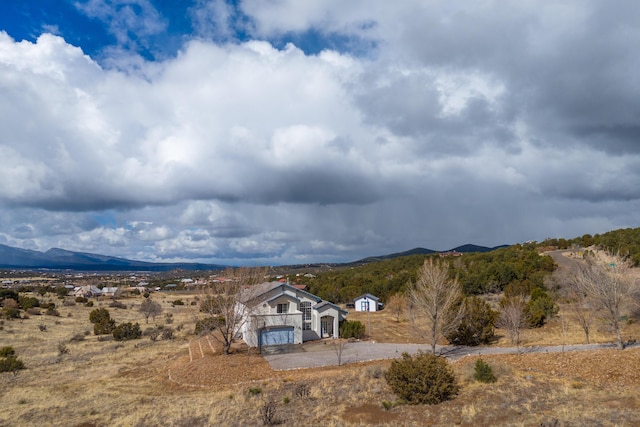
{"points": [[276, 335]]}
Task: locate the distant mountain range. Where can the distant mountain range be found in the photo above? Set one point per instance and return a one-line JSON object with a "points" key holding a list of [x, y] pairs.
{"points": [[422, 251], [320, 267], [60, 259]]}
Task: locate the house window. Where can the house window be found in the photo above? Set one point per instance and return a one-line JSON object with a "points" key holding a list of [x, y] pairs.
{"points": [[283, 308], [305, 308]]}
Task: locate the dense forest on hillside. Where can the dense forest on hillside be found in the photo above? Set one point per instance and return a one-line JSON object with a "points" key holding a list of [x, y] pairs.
{"points": [[625, 242], [517, 266]]}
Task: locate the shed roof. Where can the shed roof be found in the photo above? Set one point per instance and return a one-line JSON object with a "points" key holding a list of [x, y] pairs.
{"points": [[369, 296]]}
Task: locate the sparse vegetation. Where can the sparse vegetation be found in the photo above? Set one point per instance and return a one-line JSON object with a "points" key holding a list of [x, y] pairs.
{"points": [[164, 386]]}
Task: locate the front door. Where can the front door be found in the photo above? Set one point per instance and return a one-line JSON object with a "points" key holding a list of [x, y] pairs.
{"points": [[326, 323]]}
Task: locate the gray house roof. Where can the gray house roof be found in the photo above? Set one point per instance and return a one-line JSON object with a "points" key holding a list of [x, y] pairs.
{"points": [[321, 304], [255, 292]]}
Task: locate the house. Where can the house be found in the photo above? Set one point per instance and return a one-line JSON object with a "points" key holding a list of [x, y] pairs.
{"points": [[367, 302], [276, 313], [113, 292], [92, 291], [86, 291]]}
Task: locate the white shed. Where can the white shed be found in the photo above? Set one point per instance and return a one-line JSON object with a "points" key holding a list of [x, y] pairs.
{"points": [[367, 302]]}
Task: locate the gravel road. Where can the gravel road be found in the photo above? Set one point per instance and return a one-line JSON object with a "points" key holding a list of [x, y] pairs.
{"points": [[326, 352]]}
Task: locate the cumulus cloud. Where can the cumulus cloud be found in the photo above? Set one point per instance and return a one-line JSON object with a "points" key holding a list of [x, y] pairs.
{"points": [[464, 123]]}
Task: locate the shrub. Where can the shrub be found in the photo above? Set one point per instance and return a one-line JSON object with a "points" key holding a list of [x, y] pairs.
{"points": [[423, 378], [99, 315], [167, 334], [62, 292], [375, 372], [11, 313], [540, 307], [8, 360], [268, 412], [477, 324], [254, 391], [51, 311], [11, 364], [77, 337], [81, 300], [208, 324], [352, 329], [7, 351], [42, 327], [29, 302], [68, 303], [127, 331], [62, 349], [387, 405], [118, 304], [89, 304], [33, 311], [178, 302], [302, 390], [483, 372], [104, 327], [152, 333]]}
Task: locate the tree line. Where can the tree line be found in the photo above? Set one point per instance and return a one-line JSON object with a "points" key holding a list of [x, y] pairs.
{"points": [[516, 267]]}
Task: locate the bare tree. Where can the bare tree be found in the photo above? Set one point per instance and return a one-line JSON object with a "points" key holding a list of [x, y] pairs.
{"points": [[512, 318], [608, 288], [228, 304], [150, 308], [338, 347], [434, 302], [581, 306], [396, 305]]}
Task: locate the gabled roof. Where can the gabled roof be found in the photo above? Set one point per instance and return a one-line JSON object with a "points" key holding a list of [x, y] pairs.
{"points": [[284, 294], [369, 296], [321, 304]]}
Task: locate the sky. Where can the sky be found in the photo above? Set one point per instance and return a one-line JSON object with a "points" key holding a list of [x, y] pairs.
{"points": [[267, 132]]}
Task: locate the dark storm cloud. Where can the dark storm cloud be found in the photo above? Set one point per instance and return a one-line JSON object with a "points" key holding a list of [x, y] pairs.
{"points": [[464, 122]]}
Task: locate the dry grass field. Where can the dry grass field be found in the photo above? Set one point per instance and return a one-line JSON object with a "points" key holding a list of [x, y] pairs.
{"points": [[187, 382]]}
